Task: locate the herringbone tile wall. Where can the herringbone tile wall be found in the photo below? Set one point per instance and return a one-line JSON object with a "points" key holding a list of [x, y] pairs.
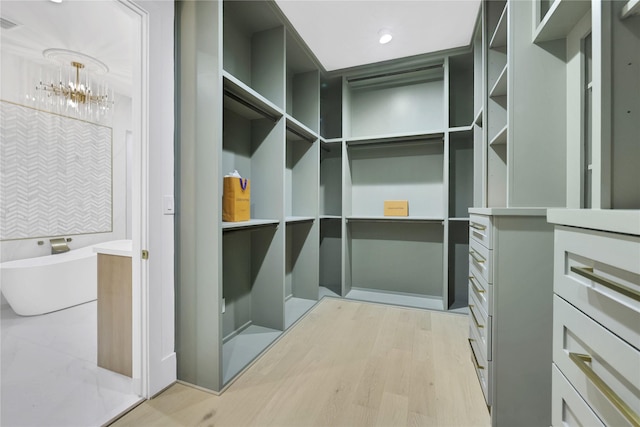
{"points": [[55, 176]]}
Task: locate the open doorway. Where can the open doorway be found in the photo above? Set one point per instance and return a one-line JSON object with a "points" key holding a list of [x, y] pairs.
{"points": [[48, 361]]}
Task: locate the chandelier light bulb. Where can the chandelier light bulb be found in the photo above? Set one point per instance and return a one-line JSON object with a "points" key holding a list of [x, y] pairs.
{"points": [[76, 96]]}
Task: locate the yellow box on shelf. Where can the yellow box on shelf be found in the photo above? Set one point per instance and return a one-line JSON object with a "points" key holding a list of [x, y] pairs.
{"points": [[396, 208]]}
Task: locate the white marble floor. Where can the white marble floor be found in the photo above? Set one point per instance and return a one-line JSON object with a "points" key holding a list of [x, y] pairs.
{"points": [[49, 373]]}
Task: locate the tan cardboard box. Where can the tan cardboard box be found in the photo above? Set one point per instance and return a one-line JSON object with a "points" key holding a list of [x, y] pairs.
{"points": [[396, 208]]}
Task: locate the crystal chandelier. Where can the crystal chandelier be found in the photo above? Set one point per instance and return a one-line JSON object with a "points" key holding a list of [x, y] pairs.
{"points": [[74, 93]]}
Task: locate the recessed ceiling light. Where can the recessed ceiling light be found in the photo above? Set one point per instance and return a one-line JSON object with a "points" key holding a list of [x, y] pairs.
{"points": [[385, 36], [56, 1]]}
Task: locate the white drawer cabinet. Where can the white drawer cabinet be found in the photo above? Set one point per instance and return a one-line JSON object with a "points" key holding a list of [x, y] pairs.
{"points": [[568, 409], [600, 366], [480, 229], [600, 274], [596, 331], [480, 324], [480, 260], [510, 298], [481, 291]]}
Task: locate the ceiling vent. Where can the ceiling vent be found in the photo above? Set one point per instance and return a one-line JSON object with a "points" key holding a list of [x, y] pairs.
{"points": [[5, 24]]}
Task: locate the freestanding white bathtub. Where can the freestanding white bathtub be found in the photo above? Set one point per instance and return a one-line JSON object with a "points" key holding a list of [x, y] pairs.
{"points": [[44, 284]]}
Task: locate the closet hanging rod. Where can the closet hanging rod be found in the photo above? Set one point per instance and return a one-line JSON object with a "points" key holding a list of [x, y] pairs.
{"points": [[399, 141], [395, 73], [300, 134], [249, 105]]}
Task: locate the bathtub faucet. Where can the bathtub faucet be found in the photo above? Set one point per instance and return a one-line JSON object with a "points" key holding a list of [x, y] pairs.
{"points": [[59, 245]]}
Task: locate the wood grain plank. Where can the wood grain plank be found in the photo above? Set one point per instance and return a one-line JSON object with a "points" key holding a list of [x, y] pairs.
{"points": [[346, 363]]}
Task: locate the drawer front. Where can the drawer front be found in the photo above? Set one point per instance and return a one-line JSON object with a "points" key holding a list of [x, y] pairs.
{"points": [[482, 291], [600, 274], [480, 261], [480, 325], [482, 371], [601, 367], [568, 409], [480, 229]]}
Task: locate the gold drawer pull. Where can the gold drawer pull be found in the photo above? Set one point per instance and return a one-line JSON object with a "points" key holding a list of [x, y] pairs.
{"points": [[477, 258], [477, 226], [473, 356], [582, 361], [472, 279], [624, 290], [475, 319]]}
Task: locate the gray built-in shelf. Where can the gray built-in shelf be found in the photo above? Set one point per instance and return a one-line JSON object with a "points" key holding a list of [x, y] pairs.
{"points": [[561, 17], [322, 151]]}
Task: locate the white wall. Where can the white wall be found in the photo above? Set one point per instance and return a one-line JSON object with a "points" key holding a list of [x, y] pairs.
{"points": [[18, 76]]}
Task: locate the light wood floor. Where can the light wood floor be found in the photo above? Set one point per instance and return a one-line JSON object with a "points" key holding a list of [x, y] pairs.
{"points": [[345, 364]]}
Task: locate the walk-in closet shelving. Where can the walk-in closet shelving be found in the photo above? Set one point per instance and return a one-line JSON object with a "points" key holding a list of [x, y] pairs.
{"points": [[254, 48], [521, 126], [331, 107], [303, 86], [461, 109], [301, 232], [399, 256], [556, 20], [458, 264], [301, 177], [460, 175], [373, 104], [461, 172], [479, 151], [253, 317], [331, 217], [322, 151], [409, 170], [253, 262], [396, 261], [496, 119], [301, 269], [254, 147]]}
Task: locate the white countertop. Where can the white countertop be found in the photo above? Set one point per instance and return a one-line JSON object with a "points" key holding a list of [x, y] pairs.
{"points": [[509, 211], [116, 247], [614, 220]]}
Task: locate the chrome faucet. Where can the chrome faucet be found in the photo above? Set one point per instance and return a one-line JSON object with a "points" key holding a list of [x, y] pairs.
{"points": [[59, 245]]}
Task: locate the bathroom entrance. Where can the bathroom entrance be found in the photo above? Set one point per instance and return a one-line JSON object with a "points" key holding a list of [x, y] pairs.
{"points": [[56, 333]]}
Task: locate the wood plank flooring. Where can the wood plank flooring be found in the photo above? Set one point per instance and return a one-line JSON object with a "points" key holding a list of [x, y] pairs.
{"points": [[346, 363]]}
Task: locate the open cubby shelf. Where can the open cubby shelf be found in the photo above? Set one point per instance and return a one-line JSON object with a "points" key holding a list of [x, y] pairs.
{"points": [[301, 269], [410, 170], [561, 17], [254, 312], [254, 48], [303, 85], [499, 36], [301, 178], [370, 96], [403, 257], [461, 173], [458, 275]]}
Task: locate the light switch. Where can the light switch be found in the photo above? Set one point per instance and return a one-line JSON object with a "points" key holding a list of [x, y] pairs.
{"points": [[168, 207]]}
